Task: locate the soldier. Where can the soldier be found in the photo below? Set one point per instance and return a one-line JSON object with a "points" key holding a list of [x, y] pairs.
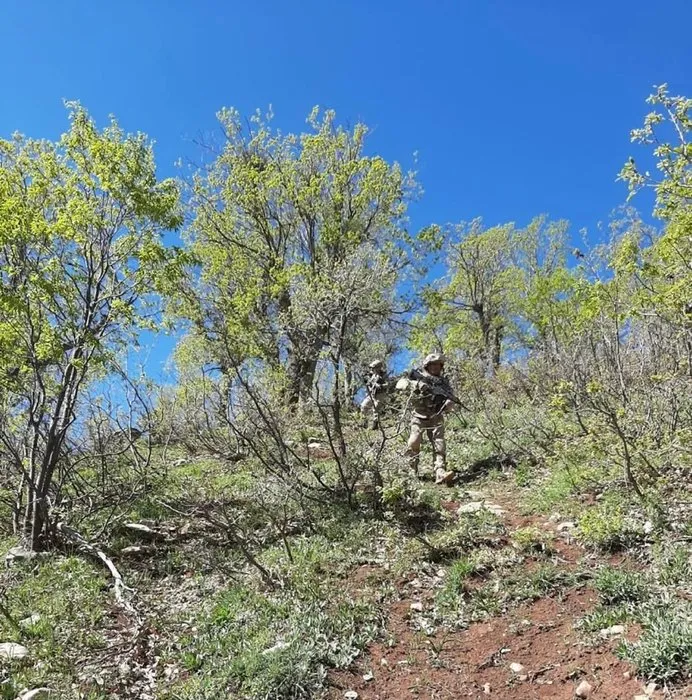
{"points": [[377, 385], [429, 406]]}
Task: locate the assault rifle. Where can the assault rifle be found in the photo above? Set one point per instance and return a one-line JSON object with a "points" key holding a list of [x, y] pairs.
{"points": [[435, 387]]}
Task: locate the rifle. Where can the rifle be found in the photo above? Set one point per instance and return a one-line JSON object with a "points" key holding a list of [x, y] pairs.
{"points": [[435, 387]]}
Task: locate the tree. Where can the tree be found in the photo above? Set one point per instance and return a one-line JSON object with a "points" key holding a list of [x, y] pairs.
{"points": [[80, 226], [275, 216]]}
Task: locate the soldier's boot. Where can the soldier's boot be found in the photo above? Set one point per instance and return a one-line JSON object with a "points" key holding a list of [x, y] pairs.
{"points": [[444, 476]]}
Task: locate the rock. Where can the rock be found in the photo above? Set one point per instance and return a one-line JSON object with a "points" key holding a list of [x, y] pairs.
{"points": [[612, 631], [650, 689], [441, 573], [11, 650], [515, 667], [368, 677], [472, 507], [583, 690], [351, 695], [417, 606], [277, 647], [35, 694], [627, 675], [641, 697], [477, 506], [18, 554], [648, 527], [486, 688], [523, 677], [384, 662], [30, 621], [567, 525]]}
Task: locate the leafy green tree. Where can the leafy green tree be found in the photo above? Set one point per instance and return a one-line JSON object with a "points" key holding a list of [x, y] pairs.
{"points": [[80, 227], [276, 220]]}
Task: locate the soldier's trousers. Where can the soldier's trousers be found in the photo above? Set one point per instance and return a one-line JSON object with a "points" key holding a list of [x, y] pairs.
{"points": [[434, 428], [373, 406]]}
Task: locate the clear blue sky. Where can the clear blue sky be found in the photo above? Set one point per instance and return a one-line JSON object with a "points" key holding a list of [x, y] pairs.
{"points": [[515, 107]]}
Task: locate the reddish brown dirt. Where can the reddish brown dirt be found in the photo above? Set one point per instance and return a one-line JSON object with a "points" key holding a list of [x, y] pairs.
{"points": [[459, 664], [475, 662]]}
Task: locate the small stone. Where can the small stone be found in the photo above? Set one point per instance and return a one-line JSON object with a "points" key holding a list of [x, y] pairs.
{"points": [[351, 695], [583, 690], [612, 631], [441, 573], [486, 688], [11, 650], [641, 697], [567, 525], [650, 689], [417, 606], [30, 621], [523, 677], [35, 694], [277, 647], [516, 667], [472, 507], [384, 662], [368, 677], [627, 675], [18, 554], [648, 527]]}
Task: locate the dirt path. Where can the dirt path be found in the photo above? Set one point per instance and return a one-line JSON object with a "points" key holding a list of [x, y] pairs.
{"points": [[530, 651]]}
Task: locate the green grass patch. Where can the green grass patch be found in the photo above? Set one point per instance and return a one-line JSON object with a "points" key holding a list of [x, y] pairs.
{"points": [[616, 585], [279, 646], [664, 650]]}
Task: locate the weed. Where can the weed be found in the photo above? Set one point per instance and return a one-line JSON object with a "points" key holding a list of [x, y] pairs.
{"points": [[604, 616], [664, 650], [606, 526], [617, 586], [533, 540]]}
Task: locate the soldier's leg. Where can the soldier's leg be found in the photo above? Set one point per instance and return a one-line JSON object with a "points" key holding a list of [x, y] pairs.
{"points": [[414, 440], [442, 475]]}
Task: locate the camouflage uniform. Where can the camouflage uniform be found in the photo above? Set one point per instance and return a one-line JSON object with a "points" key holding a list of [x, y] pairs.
{"points": [[376, 386], [427, 417]]}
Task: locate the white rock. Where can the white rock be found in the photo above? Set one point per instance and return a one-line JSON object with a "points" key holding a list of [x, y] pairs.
{"points": [[277, 647], [11, 650], [650, 689], [486, 688], [472, 507], [516, 667], [627, 675], [368, 677], [612, 631], [441, 573], [35, 694], [33, 619], [567, 525], [384, 662], [583, 690], [641, 697], [18, 554], [523, 677], [351, 695], [417, 606], [477, 506], [648, 527]]}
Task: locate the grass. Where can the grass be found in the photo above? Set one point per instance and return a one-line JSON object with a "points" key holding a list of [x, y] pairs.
{"points": [[68, 594], [255, 645], [617, 585], [664, 651]]}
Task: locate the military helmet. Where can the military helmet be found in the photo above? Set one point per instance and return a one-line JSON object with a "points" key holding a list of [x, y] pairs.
{"points": [[434, 357], [376, 364]]}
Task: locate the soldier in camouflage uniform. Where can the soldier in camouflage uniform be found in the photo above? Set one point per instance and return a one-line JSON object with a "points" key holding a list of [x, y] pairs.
{"points": [[428, 414], [376, 386]]}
